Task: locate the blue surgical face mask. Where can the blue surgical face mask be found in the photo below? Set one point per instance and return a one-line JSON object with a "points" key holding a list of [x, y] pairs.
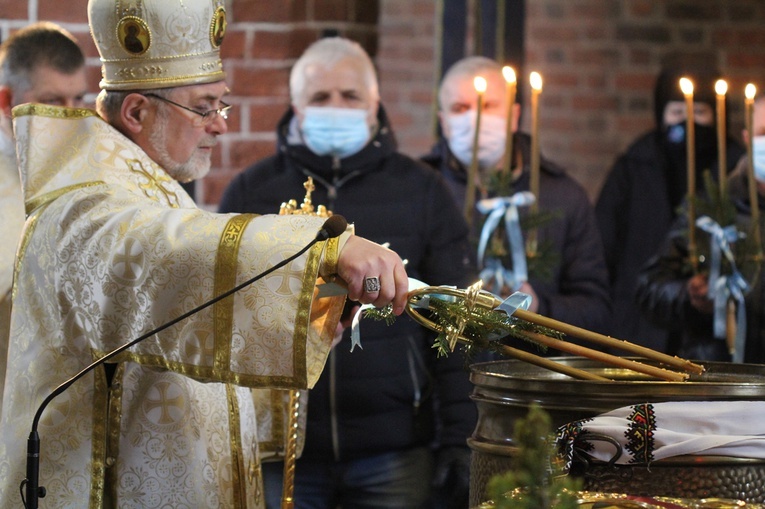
{"points": [[339, 132], [758, 154], [491, 139]]}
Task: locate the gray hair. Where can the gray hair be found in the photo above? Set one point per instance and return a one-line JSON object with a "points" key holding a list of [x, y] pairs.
{"points": [[470, 66], [327, 52], [39, 44], [109, 102]]}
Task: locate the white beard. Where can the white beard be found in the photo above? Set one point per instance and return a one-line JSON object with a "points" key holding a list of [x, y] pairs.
{"points": [[196, 167]]}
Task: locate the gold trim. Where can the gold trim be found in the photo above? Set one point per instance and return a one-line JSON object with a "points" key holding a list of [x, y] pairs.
{"points": [[235, 441], [34, 204], [218, 31], [28, 231], [46, 110], [225, 279], [98, 439], [114, 424], [331, 255], [303, 316]]}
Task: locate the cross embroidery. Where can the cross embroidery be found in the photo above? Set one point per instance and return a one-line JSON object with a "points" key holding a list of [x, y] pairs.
{"points": [[164, 402], [129, 258], [155, 183]]}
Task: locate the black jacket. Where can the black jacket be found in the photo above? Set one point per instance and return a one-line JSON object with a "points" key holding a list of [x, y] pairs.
{"points": [[634, 213], [576, 291], [662, 293], [383, 395]]}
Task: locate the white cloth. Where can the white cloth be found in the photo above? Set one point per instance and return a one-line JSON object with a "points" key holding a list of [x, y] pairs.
{"points": [[113, 247], [653, 431]]}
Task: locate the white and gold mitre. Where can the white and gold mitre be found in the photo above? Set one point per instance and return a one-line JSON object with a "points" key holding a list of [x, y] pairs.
{"points": [[147, 44]]}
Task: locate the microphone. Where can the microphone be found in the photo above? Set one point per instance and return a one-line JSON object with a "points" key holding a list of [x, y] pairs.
{"points": [[332, 227]]}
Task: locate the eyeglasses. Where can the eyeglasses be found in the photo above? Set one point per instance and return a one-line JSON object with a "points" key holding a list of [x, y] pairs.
{"points": [[208, 117]]}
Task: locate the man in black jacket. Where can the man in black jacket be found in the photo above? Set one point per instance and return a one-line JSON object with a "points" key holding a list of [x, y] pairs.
{"points": [[570, 282], [669, 293], [371, 416], [641, 194]]}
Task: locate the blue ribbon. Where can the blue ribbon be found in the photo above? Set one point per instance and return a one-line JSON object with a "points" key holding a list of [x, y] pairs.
{"points": [[492, 270], [722, 287]]}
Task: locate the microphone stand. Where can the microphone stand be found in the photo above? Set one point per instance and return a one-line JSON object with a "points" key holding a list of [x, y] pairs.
{"points": [[330, 229]]}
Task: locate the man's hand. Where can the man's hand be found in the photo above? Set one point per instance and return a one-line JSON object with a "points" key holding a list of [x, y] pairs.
{"points": [[361, 259], [698, 288], [528, 289]]}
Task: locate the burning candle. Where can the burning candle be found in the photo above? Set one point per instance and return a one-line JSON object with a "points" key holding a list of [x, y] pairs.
{"points": [[535, 80], [749, 92], [721, 88], [510, 82], [690, 133], [480, 87]]}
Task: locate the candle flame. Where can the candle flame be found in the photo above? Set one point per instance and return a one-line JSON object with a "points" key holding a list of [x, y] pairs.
{"points": [[509, 74], [721, 87], [536, 81], [480, 84], [686, 86], [750, 91]]}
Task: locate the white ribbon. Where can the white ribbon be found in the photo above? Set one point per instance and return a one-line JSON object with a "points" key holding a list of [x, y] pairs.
{"points": [[493, 272], [414, 284], [723, 287]]}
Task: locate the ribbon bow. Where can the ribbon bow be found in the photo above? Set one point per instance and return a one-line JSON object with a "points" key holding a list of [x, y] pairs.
{"points": [[723, 287], [493, 272]]}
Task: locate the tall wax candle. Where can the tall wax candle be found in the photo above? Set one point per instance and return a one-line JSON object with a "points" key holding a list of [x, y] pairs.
{"points": [[480, 87]]}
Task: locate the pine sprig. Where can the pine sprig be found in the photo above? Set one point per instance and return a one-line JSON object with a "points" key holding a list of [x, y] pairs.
{"points": [[721, 209], [484, 328], [531, 483]]}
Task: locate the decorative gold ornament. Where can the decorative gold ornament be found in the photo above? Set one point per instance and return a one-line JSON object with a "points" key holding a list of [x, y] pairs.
{"points": [[306, 208], [134, 35], [218, 27]]}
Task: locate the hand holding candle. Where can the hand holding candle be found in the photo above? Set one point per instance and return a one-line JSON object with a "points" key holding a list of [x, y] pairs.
{"points": [[535, 80], [480, 86], [511, 82], [690, 135], [721, 88]]}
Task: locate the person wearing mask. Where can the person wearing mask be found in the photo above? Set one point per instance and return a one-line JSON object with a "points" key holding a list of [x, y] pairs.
{"points": [[374, 414], [114, 249], [40, 63], [572, 285], [642, 192], [668, 292]]}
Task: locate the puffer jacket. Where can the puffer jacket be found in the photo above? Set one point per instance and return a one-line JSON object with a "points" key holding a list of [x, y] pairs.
{"points": [[380, 398], [662, 293]]}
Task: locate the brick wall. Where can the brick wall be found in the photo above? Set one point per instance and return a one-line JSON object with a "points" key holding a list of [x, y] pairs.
{"points": [[598, 59]]}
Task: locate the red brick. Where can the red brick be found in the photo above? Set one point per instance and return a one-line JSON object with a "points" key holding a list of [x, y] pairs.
{"points": [[280, 45], [265, 117], [634, 81], [259, 82], [244, 153], [268, 10], [56, 10], [599, 102], [10, 9], [234, 44]]}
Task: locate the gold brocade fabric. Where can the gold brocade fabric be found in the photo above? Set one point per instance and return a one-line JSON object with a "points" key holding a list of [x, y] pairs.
{"points": [[113, 248], [12, 220]]}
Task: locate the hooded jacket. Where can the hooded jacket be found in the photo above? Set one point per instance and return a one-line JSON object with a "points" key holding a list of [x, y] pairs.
{"points": [[380, 398]]}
